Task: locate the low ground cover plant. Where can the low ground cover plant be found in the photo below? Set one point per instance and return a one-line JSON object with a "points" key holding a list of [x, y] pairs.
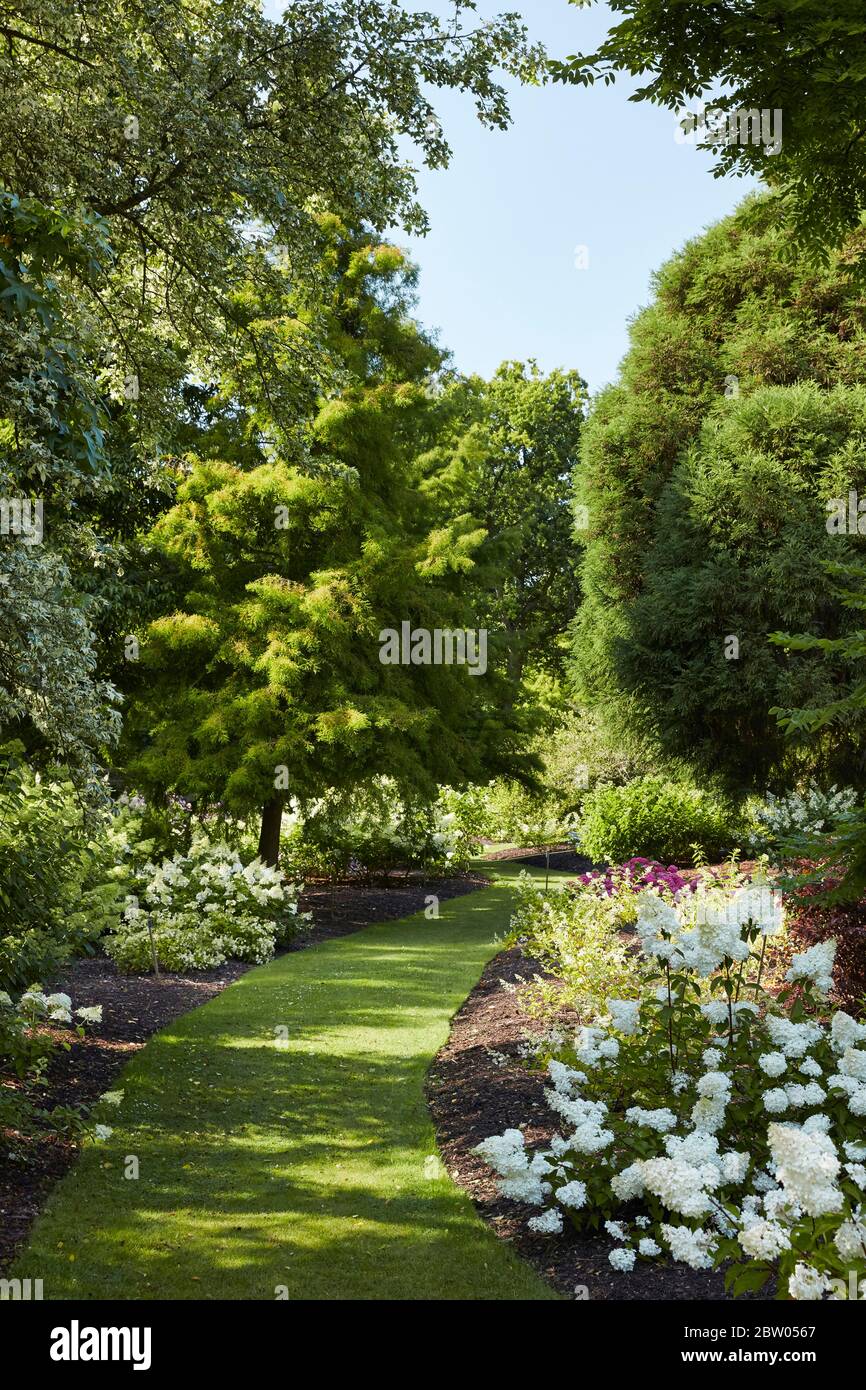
{"points": [[205, 907], [707, 1120]]}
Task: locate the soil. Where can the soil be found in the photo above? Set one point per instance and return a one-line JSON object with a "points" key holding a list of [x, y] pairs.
{"points": [[478, 1087], [136, 1006]]}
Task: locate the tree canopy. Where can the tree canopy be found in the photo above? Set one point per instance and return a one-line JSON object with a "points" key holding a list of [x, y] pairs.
{"points": [[706, 472]]}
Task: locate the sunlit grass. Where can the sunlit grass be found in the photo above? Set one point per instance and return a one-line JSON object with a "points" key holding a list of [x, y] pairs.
{"points": [[293, 1163]]}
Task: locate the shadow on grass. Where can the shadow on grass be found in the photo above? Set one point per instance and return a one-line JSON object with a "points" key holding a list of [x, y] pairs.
{"points": [[283, 1140]]}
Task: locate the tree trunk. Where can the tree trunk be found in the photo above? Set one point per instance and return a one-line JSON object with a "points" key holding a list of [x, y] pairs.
{"points": [[269, 835]]}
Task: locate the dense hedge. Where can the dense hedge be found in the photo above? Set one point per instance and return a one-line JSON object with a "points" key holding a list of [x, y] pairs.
{"points": [[707, 511]]}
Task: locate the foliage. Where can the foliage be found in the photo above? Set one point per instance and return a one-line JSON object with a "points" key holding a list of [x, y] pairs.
{"points": [[801, 57], [30, 1034], [665, 820], [709, 1061], [208, 136], [58, 888], [576, 935], [508, 458], [779, 821], [266, 683], [706, 471], [206, 906], [374, 831], [52, 460]]}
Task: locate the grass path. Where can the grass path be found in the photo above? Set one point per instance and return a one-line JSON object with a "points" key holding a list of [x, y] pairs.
{"points": [[300, 1161]]}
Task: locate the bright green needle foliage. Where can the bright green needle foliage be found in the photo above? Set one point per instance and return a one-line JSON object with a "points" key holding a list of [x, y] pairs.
{"points": [[300, 1164], [266, 683]]}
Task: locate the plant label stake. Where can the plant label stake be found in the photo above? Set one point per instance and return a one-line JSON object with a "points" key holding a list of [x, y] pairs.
{"points": [[153, 947]]}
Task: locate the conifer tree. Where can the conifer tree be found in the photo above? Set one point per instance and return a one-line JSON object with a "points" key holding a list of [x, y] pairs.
{"points": [[266, 683]]}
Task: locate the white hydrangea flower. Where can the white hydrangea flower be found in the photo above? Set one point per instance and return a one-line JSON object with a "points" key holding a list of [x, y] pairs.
{"points": [[794, 1039], [846, 1032], [648, 1247], [817, 1124], [816, 965], [693, 1248], [660, 1120], [857, 1101], [764, 1240], [807, 1284], [572, 1194], [92, 1014], [548, 1224], [681, 1186], [714, 1085], [625, 1015], [616, 1229], [807, 1167], [773, 1063], [775, 1101], [622, 1260], [629, 1183], [853, 1063], [850, 1240], [735, 1167]]}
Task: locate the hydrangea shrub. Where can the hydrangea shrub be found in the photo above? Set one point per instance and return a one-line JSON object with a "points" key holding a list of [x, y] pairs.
{"points": [[207, 907], [779, 820], [33, 1027], [708, 1121]]}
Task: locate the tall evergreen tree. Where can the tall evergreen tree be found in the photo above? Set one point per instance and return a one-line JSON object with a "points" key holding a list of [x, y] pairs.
{"points": [[707, 472], [267, 682]]}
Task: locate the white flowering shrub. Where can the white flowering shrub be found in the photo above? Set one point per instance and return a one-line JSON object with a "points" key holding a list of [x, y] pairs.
{"points": [[708, 1121], [776, 821], [33, 1027], [207, 907]]}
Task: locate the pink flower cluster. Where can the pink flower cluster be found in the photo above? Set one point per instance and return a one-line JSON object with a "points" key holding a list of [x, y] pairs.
{"points": [[638, 874]]}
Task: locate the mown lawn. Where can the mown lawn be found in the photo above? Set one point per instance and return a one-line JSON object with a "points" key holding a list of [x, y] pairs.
{"points": [[283, 1140]]}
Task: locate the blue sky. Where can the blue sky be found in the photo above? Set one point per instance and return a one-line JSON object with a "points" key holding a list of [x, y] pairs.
{"points": [[579, 167]]}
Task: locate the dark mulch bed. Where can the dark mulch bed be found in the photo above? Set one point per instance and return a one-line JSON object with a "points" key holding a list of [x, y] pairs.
{"points": [[136, 1006], [473, 1095]]}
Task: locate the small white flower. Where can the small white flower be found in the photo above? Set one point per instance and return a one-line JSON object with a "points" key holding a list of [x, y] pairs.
{"points": [[773, 1063], [622, 1259], [549, 1223]]}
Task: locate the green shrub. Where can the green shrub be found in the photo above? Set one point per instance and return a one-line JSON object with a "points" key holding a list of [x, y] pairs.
{"points": [[58, 887], [659, 819], [376, 831], [576, 935]]}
